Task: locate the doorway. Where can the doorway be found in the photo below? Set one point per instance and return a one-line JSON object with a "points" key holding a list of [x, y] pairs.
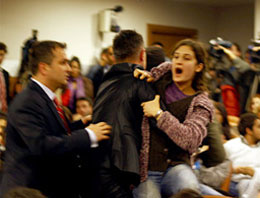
{"points": [[168, 35]]}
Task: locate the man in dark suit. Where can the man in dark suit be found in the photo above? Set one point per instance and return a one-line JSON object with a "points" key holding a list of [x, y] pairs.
{"points": [[4, 81], [43, 150], [97, 72]]}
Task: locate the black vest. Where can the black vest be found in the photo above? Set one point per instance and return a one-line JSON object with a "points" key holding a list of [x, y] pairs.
{"points": [[163, 151]]}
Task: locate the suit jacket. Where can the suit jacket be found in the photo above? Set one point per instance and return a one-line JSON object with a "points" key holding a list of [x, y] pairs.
{"points": [[6, 77], [39, 153]]}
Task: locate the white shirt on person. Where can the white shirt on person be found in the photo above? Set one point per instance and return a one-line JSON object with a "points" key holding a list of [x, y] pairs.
{"points": [[242, 154]]}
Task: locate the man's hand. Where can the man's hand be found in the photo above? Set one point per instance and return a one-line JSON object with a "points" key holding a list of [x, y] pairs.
{"points": [[141, 74], [86, 119], [244, 170], [228, 52], [101, 130]]}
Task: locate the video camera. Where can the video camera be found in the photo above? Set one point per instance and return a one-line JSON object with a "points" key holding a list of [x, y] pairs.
{"points": [[215, 52], [254, 51]]}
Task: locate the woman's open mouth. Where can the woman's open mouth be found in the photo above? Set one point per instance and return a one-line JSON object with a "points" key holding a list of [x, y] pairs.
{"points": [[178, 70]]}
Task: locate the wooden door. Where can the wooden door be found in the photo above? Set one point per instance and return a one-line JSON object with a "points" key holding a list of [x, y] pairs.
{"points": [[168, 36]]}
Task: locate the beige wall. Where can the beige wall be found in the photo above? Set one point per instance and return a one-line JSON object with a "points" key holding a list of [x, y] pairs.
{"points": [[236, 24], [75, 22]]}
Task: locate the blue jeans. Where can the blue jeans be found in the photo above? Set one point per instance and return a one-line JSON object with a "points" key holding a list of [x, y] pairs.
{"points": [[233, 188], [174, 179]]}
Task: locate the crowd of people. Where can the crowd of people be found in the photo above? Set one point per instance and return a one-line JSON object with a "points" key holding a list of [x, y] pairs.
{"points": [[137, 125]]}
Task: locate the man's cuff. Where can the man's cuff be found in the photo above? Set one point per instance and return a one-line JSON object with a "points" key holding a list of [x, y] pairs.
{"points": [[92, 137]]}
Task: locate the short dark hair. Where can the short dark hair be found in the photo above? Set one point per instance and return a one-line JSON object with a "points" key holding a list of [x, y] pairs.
{"points": [[246, 121], [225, 124], [23, 192], [3, 47], [158, 43], [155, 56], [43, 52], [85, 99], [127, 44]]}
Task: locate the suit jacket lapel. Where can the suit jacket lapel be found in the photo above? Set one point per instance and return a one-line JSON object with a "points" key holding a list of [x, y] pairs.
{"points": [[49, 103]]}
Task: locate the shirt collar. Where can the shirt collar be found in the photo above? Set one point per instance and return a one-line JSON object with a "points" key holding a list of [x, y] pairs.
{"points": [[49, 92], [243, 139]]}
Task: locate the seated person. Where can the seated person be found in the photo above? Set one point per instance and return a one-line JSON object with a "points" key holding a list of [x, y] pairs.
{"points": [[84, 108], [254, 105], [244, 153]]}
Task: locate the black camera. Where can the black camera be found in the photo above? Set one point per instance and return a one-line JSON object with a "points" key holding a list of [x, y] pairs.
{"points": [[254, 51], [215, 52]]}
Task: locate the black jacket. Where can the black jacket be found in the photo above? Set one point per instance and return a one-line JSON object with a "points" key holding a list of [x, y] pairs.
{"points": [[118, 103]]}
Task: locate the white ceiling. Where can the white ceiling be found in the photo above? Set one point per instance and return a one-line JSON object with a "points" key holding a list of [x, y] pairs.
{"points": [[217, 3]]}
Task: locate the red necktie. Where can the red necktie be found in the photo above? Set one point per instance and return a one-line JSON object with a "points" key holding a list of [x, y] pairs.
{"points": [[61, 114], [3, 93]]}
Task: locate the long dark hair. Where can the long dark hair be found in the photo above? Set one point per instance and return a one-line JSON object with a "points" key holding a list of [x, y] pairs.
{"points": [[199, 81], [225, 124]]}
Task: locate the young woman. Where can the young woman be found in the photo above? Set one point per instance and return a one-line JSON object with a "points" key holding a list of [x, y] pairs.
{"points": [[179, 123], [78, 86]]}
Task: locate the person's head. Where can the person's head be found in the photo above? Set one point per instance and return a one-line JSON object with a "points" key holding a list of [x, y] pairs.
{"points": [[187, 193], [23, 192], [154, 57], [107, 56], [249, 127], [49, 63], [157, 44], [103, 57], [110, 56], [128, 46], [84, 106], [189, 64], [255, 104], [3, 51], [236, 49], [75, 67]]}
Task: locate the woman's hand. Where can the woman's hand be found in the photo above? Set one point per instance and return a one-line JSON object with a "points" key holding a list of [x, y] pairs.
{"points": [[141, 74], [151, 108]]}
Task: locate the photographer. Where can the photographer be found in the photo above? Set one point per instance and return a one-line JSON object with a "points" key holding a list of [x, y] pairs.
{"points": [[249, 83], [229, 67]]}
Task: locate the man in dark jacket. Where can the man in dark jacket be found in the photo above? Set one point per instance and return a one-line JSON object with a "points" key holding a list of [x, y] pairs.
{"points": [[97, 72], [118, 103]]}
